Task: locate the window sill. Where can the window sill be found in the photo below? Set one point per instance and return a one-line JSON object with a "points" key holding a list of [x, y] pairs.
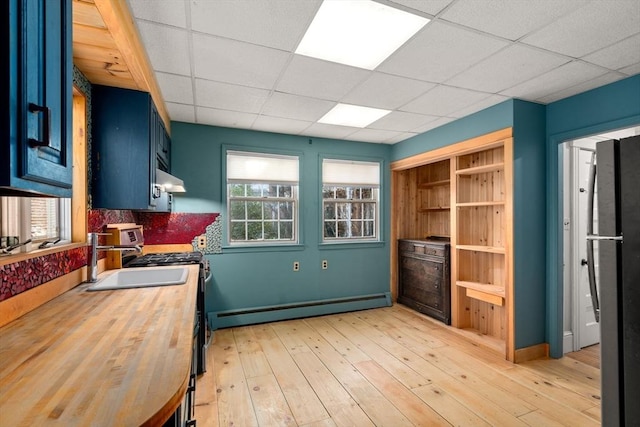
{"points": [[262, 248], [350, 245], [22, 256]]}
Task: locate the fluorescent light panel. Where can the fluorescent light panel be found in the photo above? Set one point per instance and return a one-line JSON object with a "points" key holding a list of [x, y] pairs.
{"points": [[352, 115], [358, 33]]}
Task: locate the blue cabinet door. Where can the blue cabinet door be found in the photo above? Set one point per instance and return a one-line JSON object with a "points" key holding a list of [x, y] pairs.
{"points": [[36, 153]]}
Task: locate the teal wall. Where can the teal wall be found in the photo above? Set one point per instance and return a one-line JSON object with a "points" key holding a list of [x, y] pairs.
{"points": [[256, 277], [610, 107]]}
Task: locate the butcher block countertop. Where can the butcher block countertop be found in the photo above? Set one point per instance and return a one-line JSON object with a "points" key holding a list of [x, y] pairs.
{"points": [[106, 358]]}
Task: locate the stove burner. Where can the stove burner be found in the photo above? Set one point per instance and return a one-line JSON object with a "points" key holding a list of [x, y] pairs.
{"points": [[169, 258]]}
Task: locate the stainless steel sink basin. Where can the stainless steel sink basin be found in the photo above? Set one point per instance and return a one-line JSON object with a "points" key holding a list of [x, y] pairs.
{"points": [[140, 278]]}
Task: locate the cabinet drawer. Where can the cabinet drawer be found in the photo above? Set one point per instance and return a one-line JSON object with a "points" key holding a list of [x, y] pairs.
{"points": [[421, 248]]}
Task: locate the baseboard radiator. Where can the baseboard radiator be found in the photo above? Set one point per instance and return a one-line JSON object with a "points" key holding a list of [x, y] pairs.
{"points": [[272, 313]]}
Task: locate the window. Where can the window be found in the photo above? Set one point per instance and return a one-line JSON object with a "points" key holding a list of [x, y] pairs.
{"points": [[262, 198], [37, 218], [350, 198]]}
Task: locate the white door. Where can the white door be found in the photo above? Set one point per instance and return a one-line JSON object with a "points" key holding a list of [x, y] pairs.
{"points": [[589, 329]]}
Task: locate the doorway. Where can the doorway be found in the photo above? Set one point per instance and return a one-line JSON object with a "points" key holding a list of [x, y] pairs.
{"points": [[580, 326]]}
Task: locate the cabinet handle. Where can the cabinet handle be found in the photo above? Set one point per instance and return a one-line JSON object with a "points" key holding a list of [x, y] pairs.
{"points": [[46, 142]]}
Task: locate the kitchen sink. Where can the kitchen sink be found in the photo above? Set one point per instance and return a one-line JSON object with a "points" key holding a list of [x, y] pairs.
{"points": [[140, 278]]}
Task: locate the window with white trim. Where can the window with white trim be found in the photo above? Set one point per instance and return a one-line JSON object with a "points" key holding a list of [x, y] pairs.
{"points": [[262, 198], [350, 199], [39, 219]]}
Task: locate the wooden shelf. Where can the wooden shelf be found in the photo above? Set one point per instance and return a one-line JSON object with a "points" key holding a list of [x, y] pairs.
{"points": [[478, 248], [472, 204], [434, 183], [434, 209], [481, 169], [483, 287]]}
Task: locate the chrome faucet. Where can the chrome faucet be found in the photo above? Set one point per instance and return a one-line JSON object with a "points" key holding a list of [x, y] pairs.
{"points": [[92, 265]]}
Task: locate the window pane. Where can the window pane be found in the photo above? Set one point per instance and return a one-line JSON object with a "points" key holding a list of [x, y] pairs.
{"points": [[343, 229], [254, 210], [341, 193], [238, 231], [254, 231], [44, 218], [343, 210], [329, 229], [271, 191], [356, 229], [328, 193], [369, 210], [237, 210], [367, 193], [356, 210], [369, 229], [236, 190], [286, 230], [286, 191], [286, 210], [271, 230], [329, 211], [254, 190], [270, 210]]}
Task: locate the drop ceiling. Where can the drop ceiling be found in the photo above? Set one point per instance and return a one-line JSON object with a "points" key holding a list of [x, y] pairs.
{"points": [[231, 63]]}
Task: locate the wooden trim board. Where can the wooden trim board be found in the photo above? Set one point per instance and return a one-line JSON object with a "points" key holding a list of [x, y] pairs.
{"points": [[533, 352]]}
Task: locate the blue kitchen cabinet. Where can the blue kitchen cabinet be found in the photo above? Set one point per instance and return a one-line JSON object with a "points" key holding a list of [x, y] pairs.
{"points": [[36, 148], [126, 133]]}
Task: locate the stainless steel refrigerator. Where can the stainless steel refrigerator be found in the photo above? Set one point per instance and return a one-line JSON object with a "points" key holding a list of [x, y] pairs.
{"points": [[618, 184]]}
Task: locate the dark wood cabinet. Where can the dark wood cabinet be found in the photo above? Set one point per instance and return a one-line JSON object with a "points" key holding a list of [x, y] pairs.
{"points": [[129, 143], [424, 282], [35, 154]]}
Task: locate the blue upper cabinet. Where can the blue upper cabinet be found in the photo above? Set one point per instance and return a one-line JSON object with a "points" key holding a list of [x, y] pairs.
{"points": [[127, 134], [35, 154]]}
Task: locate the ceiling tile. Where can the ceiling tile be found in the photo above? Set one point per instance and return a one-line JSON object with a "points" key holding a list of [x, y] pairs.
{"points": [[439, 52], [431, 7], [401, 121], [400, 137], [232, 61], [631, 70], [481, 105], [507, 68], [175, 88], [296, 107], [280, 125], [181, 112], [372, 135], [507, 18], [590, 28], [171, 12], [321, 130], [167, 47], [582, 87], [567, 75], [315, 78], [443, 100], [277, 24], [229, 97], [386, 91], [434, 124], [224, 118], [619, 55]]}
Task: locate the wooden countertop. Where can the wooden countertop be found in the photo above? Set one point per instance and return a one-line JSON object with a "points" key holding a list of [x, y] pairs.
{"points": [[106, 358]]}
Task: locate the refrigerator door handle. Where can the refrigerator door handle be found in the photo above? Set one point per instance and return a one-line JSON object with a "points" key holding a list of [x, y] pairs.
{"points": [[590, 238]]}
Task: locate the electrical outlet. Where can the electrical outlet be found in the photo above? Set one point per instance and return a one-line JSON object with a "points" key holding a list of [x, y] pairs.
{"points": [[325, 264], [202, 241], [296, 266]]}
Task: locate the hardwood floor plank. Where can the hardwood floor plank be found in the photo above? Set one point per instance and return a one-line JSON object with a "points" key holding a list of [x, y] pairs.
{"points": [[303, 401], [388, 366], [269, 402], [234, 400], [416, 410]]}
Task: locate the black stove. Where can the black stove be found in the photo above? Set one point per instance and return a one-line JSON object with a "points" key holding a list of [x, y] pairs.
{"points": [[169, 258]]}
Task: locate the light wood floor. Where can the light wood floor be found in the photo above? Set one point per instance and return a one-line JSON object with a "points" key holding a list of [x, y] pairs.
{"points": [[383, 367], [589, 355]]}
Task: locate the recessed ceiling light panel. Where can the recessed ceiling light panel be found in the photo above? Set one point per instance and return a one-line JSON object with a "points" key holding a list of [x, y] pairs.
{"points": [[352, 115], [359, 33]]}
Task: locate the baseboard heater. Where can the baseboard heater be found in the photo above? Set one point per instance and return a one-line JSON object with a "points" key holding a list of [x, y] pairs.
{"points": [[271, 313]]}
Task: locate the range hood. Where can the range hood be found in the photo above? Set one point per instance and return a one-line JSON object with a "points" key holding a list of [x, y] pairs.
{"points": [[169, 183]]}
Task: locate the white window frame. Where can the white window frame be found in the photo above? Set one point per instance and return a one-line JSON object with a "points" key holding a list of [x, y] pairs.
{"points": [[351, 177], [249, 177]]}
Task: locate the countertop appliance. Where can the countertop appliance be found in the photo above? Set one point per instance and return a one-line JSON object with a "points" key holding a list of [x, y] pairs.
{"points": [[185, 258], [618, 176]]}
